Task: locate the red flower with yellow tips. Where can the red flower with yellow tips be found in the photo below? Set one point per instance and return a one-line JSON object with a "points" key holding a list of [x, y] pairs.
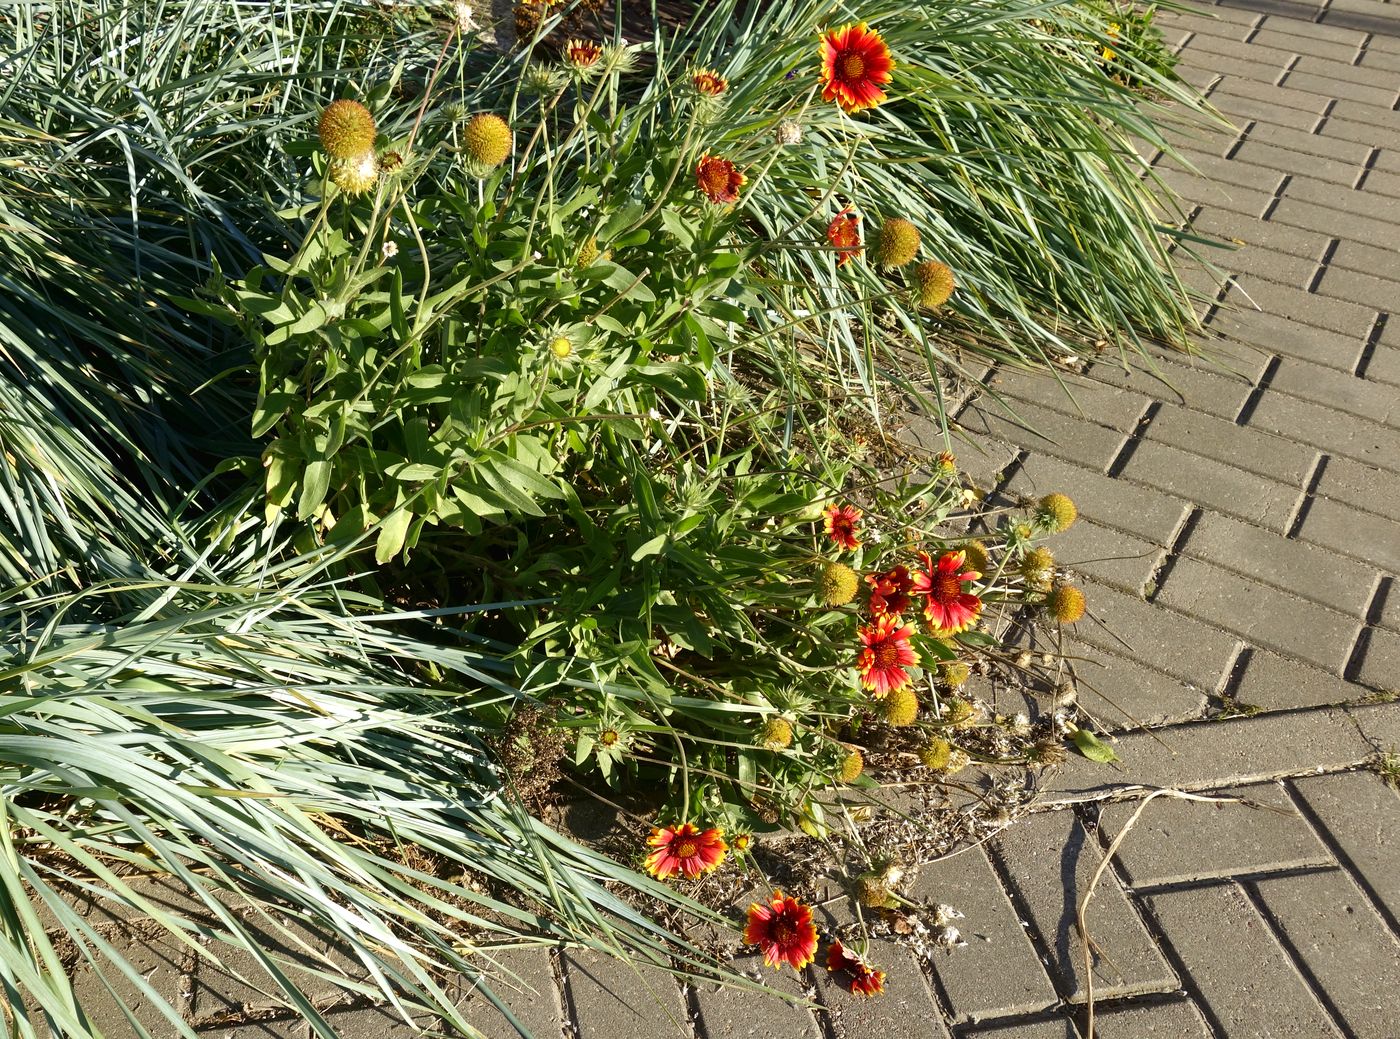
{"points": [[861, 978], [856, 63], [841, 523], [719, 179], [784, 930], [885, 653], [709, 82], [684, 849], [889, 592], [947, 608]]}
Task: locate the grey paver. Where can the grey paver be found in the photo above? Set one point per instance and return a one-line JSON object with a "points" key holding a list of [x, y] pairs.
{"points": [[1123, 694], [1379, 724], [1290, 338], [1208, 755], [1107, 556], [1330, 196], [1179, 1020], [1217, 194], [1175, 840], [1336, 315], [1051, 860], [1263, 615], [999, 970], [1374, 539], [730, 1013], [1359, 287], [1343, 945], [1277, 683], [1306, 570], [1162, 639], [1212, 483], [1272, 35], [1364, 486], [1276, 457], [905, 1008], [1219, 393], [1362, 816], [1385, 363], [1336, 389], [1242, 105], [1051, 1029], [1380, 97], [1269, 998], [1289, 160], [1380, 665], [1334, 223], [1151, 515], [1074, 439], [1322, 427], [613, 998], [106, 990], [1075, 395], [528, 989], [1357, 256], [373, 1022]]}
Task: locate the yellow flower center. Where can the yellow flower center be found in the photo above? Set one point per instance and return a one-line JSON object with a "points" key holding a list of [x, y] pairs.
{"points": [[686, 849], [851, 66]]}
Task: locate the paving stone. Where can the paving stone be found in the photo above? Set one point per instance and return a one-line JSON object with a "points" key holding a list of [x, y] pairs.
{"points": [[730, 1013], [1380, 97], [1107, 556], [999, 971], [1282, 97], [1306, 570], [616, 999], [1150, 514], [1356, 111], [1051, 860], [1345, 71], [371, 1023], [1239, 106], [1385, 363], [1054, 1029], [1342, 944], [1164, 640], [1218, 392], [1307, 143], [1357, 287], [1382, 183], [1274, 683], [1380, 666], [1073, 439], [1361, 815], [1245, 978], [1322, 427], [523, 979], [1210, 437], [1373, 539], [1075, 395], [1164, 1020], [1277, 58], [1287, 269], [1330, 196], [1272, 36], [1217, 169], [1379, 724], [1290, 338], [1208, 755], [1261, 614], [1338, 390], [1287, 301], [1289, 160], [1334, 223], [1212, 483], [1240, 67], [1176, 841], [1262, 234], [108, 996], [1217, 194], [1357, 256], [1361, 132]]}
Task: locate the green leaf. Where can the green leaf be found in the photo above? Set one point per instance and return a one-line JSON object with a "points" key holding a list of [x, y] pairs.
{"points": [[1092, 747], [392, 532]]}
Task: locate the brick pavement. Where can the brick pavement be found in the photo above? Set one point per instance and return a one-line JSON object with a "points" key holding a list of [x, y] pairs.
{"points": [[1240, 536]]}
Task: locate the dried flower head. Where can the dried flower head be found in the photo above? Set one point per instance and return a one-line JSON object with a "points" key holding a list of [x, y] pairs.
{"points": [[852, 765], [1038, 568], [977, 556], [837, 584], [775, 733], [788, 132], [954, 674], [487, 139], [355, 176], [936, 753], [873, 891], [901, 707]]}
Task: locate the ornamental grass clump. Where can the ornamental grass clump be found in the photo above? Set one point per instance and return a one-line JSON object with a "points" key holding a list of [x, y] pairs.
{"points": [[540, 451]]}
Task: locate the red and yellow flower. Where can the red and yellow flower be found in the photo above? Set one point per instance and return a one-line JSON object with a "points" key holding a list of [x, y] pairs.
{"points": [[684, 849], [861, 978], [709, 82], [784, 930], [885, 653], [841, 523], [856, 63], [719, 179], [582, 54], [844, 233], [947, 608], [890, 591]]}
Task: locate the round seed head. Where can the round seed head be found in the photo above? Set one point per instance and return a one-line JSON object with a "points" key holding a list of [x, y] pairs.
{"points": [[852, 765], [1057, 512], [976, 556], [488, 139], [838, 584], [873, 892], [901, 707], [1066, 604], [896, 244], [954, 673], [347, 130], [1038, 568], [775, 734], [935, 753], [934, 284], [355, 176]]}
